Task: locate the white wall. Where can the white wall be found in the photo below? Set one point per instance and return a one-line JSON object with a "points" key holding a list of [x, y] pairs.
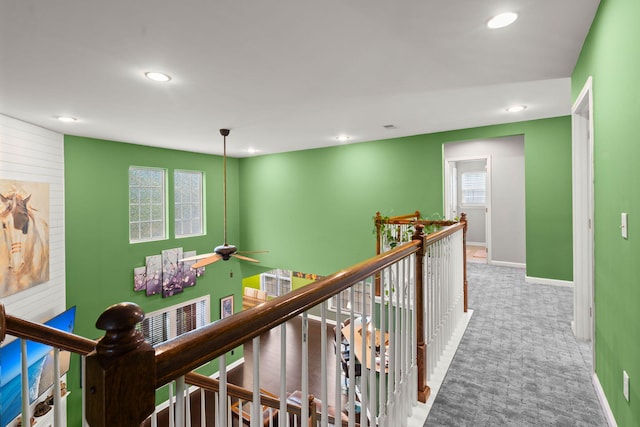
{"points": [[507, 227], [31, 153]]}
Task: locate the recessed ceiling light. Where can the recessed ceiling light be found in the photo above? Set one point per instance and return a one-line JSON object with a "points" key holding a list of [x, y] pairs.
{"points": [[502, 20], [157, 77], [66, 119], [252, 150], [516, 108], [343, 138]]}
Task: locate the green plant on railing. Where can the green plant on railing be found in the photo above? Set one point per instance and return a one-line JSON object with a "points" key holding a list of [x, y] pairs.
{"points": [[432, 228], [391, 235]]}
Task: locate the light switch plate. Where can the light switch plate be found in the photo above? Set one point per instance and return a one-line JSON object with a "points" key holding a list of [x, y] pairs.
{"points": [[625, 385], [623, 224]]}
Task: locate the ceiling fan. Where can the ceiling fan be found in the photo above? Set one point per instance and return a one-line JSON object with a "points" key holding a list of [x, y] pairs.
{"points": [[224, 251]]}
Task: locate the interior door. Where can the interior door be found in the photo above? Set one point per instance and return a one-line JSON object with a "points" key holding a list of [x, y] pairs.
{"points": [[472, 198]]}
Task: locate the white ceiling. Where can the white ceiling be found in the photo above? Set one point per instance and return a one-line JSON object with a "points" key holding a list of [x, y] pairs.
{"points": [[284, 74]]}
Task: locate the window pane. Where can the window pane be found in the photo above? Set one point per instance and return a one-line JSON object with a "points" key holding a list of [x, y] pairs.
{"points": [[146, 204], [188, 203], [134, 231], [473, 188]]}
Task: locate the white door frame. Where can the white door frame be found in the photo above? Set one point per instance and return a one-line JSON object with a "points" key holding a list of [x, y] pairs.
{"points": [[448, 163], [583, 323]]}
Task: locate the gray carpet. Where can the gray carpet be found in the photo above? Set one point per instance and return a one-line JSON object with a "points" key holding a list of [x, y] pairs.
{"points": [[519, 363]]}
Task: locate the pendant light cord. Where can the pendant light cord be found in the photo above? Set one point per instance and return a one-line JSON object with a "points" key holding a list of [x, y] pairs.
{"points": [[224, 188]]}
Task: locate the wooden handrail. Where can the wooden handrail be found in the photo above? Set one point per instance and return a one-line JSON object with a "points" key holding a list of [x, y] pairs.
{"points": [[234, 391], [450, 229], [20, 328], [392, 219], [185, 353]]}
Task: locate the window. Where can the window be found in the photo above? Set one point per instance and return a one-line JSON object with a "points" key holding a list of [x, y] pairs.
{"points": [[360, 288], [171, 322], [146, 204], [188, 203], [474, 191], [276, 282]]}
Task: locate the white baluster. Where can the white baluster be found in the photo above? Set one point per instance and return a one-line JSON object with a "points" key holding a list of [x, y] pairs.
{"points": [[203, 408], [222, 401], [337, 403], [256, 407], [57, 399], [171, 406], [324, 420], [283, 419], [304, 374], [352, 356], [26, 413], [366, 290], [180, 412]]}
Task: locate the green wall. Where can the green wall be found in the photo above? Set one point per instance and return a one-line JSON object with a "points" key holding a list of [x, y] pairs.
{"points": [[610, 56], [99, 257], [313, 209]]}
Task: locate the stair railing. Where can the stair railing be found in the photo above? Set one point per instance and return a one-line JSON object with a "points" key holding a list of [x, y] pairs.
{"points": [[123, 372]]}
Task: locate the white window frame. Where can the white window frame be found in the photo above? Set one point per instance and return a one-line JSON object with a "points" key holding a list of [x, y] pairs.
{"points": [[150, 220], [345, 299], [282, 282], [203, 317], [178, 205]]}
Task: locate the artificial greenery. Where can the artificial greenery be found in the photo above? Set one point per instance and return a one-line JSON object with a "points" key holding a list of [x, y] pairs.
{"points": [[392, 237]]}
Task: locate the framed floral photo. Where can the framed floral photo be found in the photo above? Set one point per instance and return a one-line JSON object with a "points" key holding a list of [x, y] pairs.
{"points": [[226, 306]]}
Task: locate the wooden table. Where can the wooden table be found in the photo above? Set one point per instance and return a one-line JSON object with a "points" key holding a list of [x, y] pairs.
{"points": [[355, 343]]}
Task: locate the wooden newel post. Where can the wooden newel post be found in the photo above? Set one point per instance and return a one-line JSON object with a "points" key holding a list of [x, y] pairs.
{"points": [[423, 389], [378, 222], [463, 220], [121, 371]]}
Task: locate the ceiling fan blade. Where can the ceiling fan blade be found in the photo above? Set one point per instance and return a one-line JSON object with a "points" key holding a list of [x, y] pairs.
{"points": [[213, 258], [196, 257], [244, 258], [252, 252]]}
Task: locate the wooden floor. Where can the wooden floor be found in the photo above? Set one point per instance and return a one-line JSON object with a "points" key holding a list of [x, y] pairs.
{"points": [[270, 368], [270, 360], [477, 254]]}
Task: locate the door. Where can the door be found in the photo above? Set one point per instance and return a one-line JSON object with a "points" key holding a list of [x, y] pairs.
{"points": [[467, 190], [583, 217]]}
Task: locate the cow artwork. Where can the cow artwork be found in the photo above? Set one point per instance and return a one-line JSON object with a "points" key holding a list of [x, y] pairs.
{"points": [[24, 237]]}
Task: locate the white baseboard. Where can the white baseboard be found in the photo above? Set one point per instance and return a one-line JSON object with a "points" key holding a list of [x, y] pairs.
{"points": [[421, 410], [508, 264], [484, 245], [545, 281], [604, 403]]}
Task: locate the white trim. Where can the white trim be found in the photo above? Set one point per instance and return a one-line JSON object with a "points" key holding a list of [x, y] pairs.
{"points": [[447, 182], [545, 281], [421, 410], [507, 264], [483, 244], [604, 403], [582, 140]]}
